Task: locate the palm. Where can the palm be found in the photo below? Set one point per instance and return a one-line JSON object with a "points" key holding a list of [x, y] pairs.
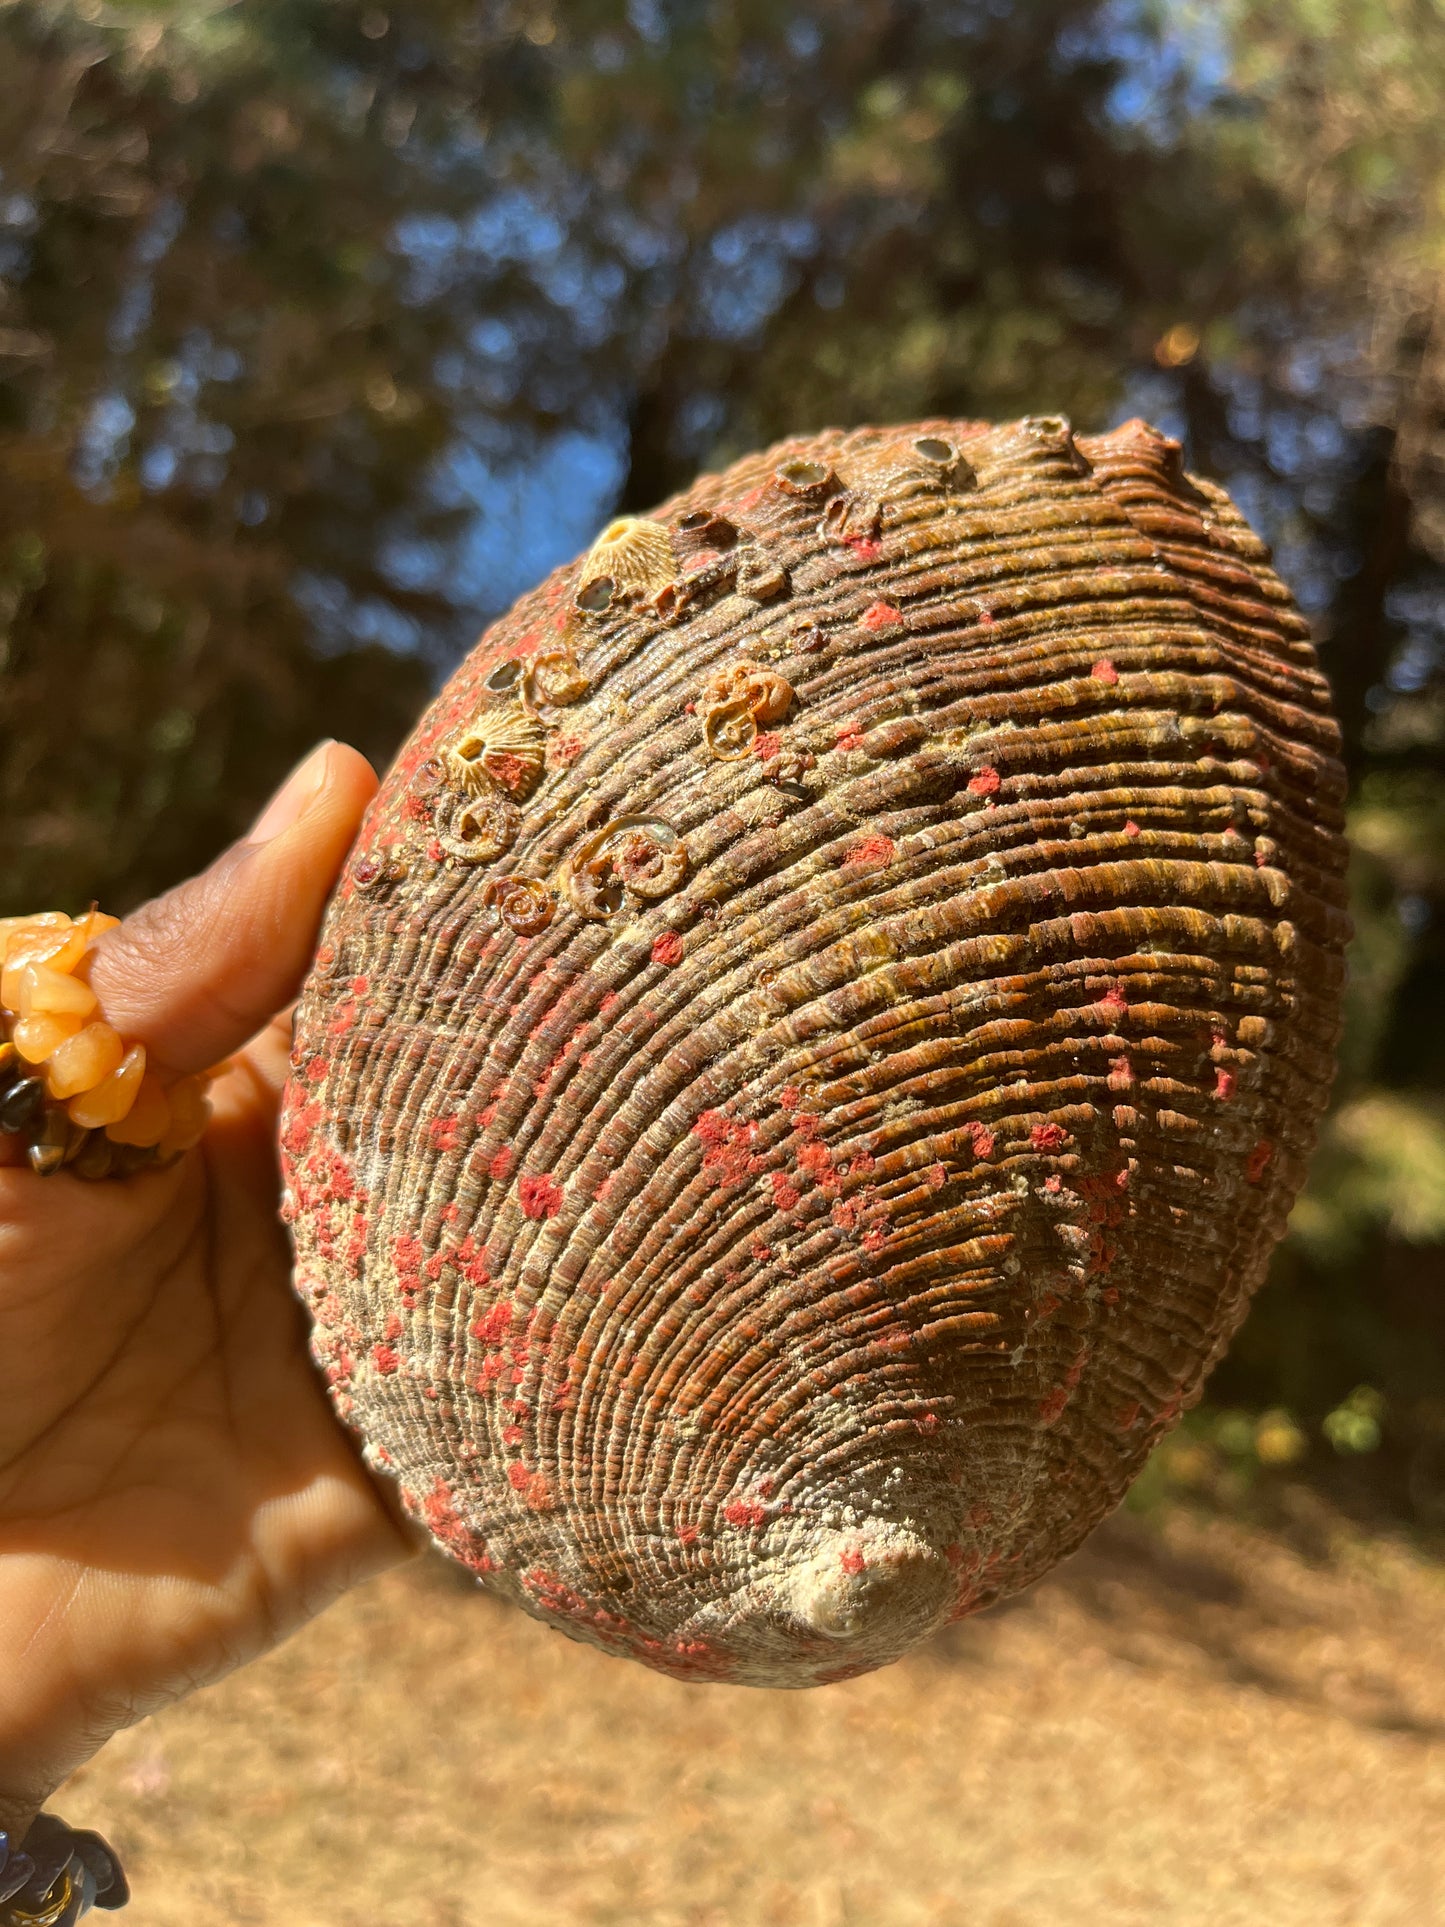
{"points": [[175, 1494]]}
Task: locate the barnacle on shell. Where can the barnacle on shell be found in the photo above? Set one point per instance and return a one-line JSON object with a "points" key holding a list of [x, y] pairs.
{"points": [[813, 1253], [762, 578], [505, 746], [633, 555], [429, 776], [702, 532], [941, 455], [555, 676], [849, 518], [805, 475]]}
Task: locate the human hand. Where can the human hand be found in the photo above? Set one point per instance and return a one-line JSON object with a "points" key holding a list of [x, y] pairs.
{"points": [[176, 1495]]}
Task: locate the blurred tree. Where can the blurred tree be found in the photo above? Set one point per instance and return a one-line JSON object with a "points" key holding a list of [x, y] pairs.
{"points": [[1323, 403], [290, 286], [325, 328]]}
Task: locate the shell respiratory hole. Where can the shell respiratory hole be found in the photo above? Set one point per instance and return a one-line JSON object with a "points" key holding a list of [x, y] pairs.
{"points": [[803, 1072]]}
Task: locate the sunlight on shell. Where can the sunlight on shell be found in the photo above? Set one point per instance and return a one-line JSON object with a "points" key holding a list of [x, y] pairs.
{"points": [[765, 1191]]}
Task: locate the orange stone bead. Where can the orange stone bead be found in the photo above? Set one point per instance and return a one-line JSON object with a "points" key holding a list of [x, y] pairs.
{"points": [[190, 1114], [36, 1037], [96, 923], [55, 919], [113, 1096], [83, 1060], [148, 1118], [44, 990], [40, 940], [41, 920]]}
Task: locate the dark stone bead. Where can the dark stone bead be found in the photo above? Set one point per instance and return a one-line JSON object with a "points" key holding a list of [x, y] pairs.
{"points": [[22, 1104], [127, 1159], [54, 1852], [98, 1857], [16, 1869], [94, 1158]]}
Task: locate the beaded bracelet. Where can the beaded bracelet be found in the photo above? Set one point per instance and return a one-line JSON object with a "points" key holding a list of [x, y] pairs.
{"points": [[71, 1088], [56, 1875]]}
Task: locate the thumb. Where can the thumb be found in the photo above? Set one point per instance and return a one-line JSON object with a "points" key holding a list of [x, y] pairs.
{"points": [[197, 972]]}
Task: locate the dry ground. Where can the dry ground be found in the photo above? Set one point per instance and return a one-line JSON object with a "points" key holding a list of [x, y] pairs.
{"points": [[1192, 1722]]}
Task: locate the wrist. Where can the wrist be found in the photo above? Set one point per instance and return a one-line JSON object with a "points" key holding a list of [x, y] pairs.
{"points": [[39, 1746]]}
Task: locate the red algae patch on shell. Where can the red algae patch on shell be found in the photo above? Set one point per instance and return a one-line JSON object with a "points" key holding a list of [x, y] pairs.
{"points": [[818, 1037]]}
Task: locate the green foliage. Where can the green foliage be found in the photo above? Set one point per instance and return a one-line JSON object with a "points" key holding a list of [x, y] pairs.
{"points": [[325, 327], [1354, 1425]]}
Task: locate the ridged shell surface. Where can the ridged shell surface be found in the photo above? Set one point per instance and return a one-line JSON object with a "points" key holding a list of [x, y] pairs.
{"points": [[819, 1034]]}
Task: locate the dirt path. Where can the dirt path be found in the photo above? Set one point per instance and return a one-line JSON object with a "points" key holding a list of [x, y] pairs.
{"points": [[1191, 1723]]}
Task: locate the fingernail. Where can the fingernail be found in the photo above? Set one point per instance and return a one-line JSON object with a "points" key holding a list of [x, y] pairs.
{"points": [[295, 796]]}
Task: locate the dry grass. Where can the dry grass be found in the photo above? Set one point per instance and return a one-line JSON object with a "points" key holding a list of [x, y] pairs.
{"points": [[1190, 1723]]}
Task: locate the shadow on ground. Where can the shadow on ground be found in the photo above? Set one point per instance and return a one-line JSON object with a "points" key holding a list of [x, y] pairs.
{"points": [[1191, 1720]]}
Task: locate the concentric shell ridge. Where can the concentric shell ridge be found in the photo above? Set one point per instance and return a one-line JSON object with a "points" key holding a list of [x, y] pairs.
{"points": [[772, 1202]]}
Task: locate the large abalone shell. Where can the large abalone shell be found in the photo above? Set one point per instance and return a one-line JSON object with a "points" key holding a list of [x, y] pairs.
{"points": [[818, 1036]]}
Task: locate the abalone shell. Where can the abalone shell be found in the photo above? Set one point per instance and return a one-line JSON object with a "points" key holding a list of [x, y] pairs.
{"points": [[818, 1036]]}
